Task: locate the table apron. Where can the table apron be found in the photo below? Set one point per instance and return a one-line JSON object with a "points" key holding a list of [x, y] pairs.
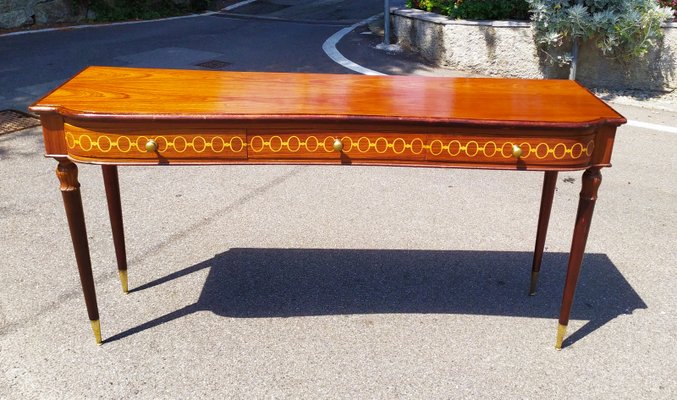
{"points": [[451, 147]]}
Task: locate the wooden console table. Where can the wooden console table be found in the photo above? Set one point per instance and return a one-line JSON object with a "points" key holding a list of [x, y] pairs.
{"points": [[130, 116]]}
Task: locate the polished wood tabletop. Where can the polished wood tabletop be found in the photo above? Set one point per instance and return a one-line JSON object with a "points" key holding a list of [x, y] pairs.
{"points": [[175, 94], [120, 116]]}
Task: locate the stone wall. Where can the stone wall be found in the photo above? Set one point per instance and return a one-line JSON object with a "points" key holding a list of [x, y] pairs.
{"points": [[508, 49], [20, 13]]}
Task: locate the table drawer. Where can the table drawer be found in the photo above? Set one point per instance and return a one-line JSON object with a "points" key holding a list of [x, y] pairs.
{"points": [[320, 146], [535, 151], [130, 144]]}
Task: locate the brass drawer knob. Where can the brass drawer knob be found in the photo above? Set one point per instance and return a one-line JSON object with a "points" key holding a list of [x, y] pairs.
{"points": [[516, 151], [151, 146], [338, 145]]}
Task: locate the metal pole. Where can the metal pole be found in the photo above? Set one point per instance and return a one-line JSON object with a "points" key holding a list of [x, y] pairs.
{"points": [[386, 22], [574, 60], [574, 54]]}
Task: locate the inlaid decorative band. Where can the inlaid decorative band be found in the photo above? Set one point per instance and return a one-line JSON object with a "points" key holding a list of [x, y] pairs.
{"points": [[436, 147], [176, 143], [324, 144], [312, 144], [489, 149]]}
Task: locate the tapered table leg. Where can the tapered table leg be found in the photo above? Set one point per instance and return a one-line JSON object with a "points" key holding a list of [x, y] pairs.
{"points": [[592, 178], [111, 182], [67, 172], [549, 184]]}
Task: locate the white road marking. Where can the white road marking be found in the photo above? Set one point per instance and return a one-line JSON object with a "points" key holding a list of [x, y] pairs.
{"points": [[653, 127], [237, 5], [330, 49]]}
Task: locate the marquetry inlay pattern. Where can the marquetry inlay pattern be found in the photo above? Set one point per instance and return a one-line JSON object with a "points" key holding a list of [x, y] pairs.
{"points": [[176, 143], [308, 144]]}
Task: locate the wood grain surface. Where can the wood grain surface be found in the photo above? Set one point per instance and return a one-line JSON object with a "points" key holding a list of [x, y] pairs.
{"points": [[138, 93]]}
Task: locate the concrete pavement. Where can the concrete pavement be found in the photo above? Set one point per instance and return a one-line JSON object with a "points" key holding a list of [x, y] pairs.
{"points": [[324, 282]]}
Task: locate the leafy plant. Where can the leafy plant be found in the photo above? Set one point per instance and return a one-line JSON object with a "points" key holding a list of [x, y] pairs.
{"points": [[669, 3], [475, 9], [621, 29]]}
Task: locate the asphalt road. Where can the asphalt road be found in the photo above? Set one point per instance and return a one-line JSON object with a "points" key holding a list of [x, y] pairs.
{"points": [[40, 62], [278, 35], [324, 282]]}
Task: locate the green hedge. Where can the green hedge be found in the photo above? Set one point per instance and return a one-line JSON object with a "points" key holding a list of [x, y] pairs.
{"points": [[475, 9]]}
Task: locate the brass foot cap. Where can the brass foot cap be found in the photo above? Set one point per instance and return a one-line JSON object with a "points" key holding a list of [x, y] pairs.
{"points": [[123, 281], [96, 328], [561, 331]]}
